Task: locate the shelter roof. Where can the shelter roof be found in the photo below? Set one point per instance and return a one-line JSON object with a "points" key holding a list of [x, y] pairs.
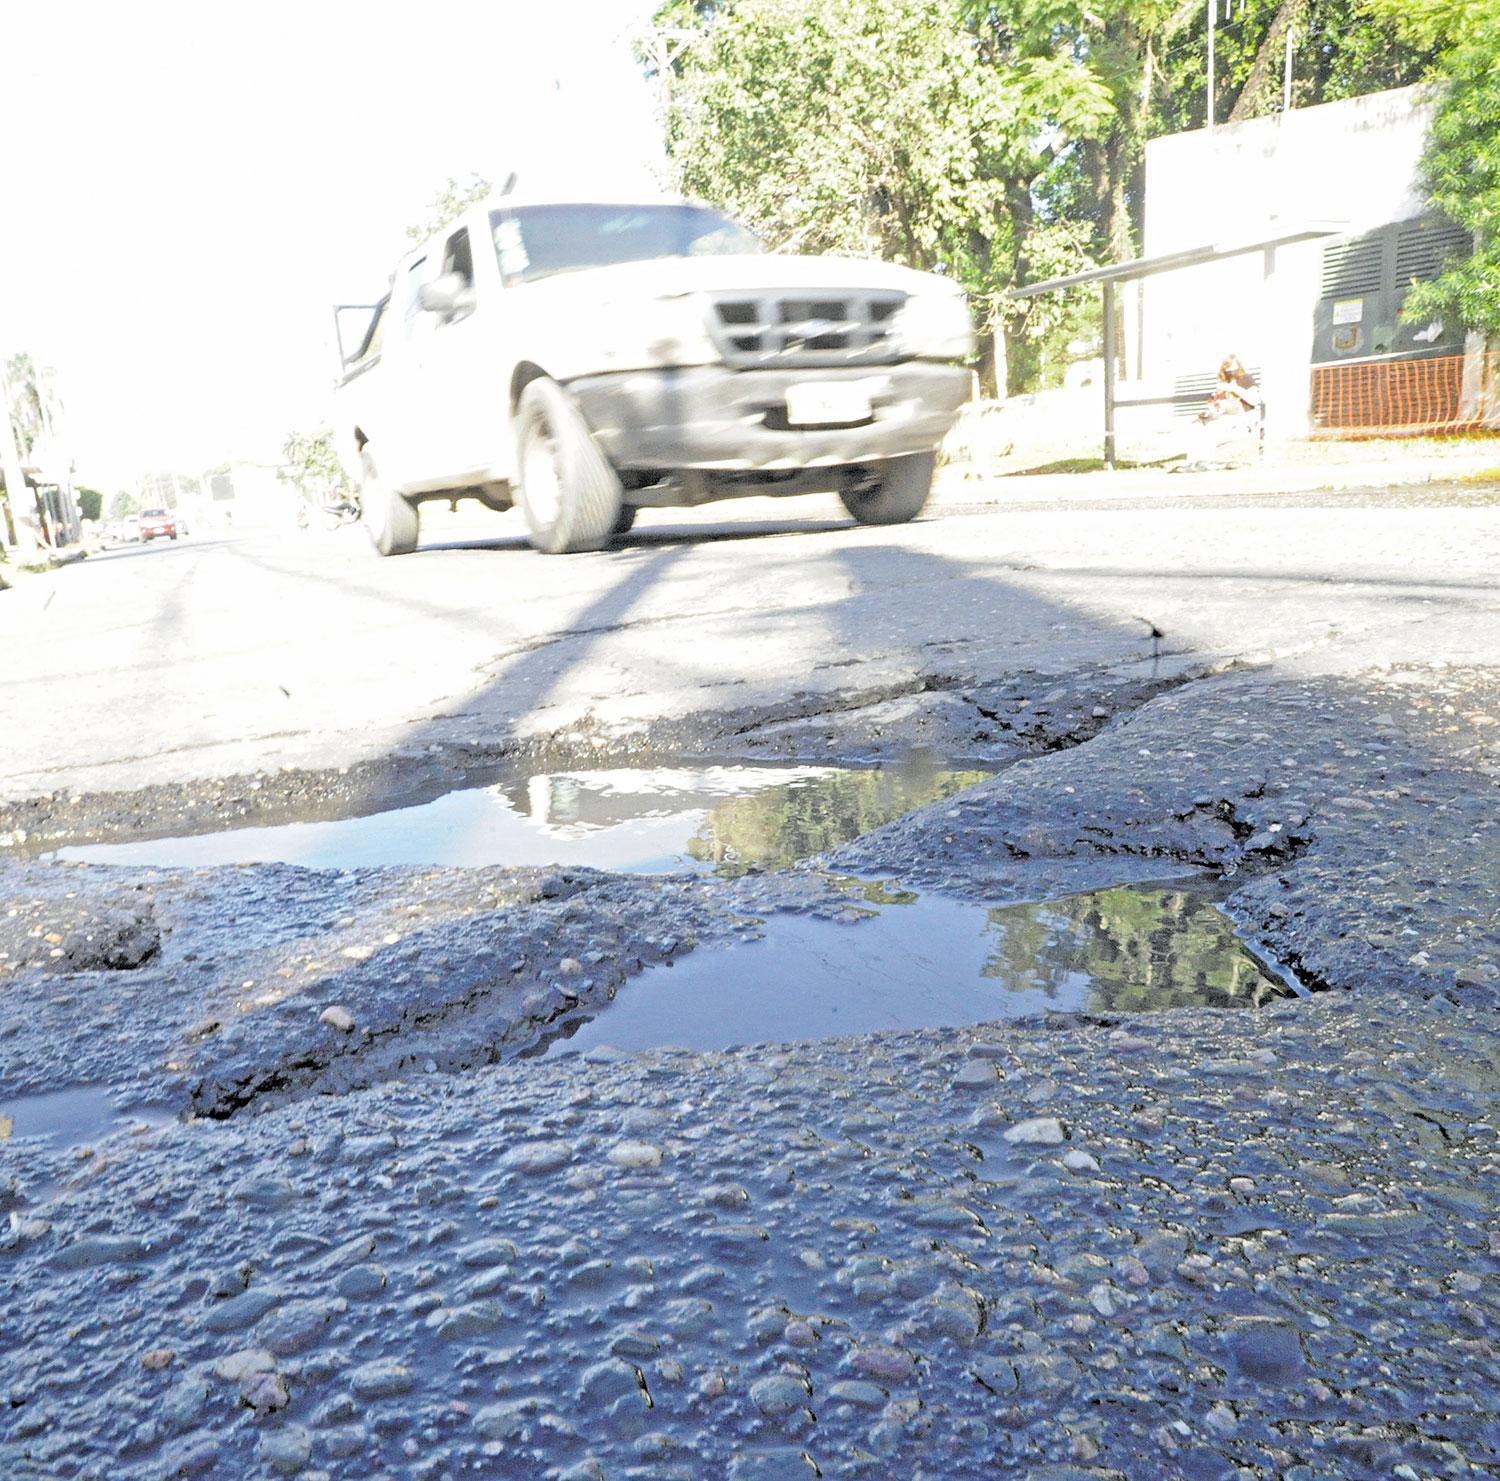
{"points": [[1149, 267]]}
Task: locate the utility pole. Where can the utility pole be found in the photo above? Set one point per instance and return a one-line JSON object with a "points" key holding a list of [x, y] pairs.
{"points": [[17, 490], [1110, 352]]}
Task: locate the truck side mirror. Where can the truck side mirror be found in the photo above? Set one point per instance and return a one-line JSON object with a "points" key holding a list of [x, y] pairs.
{"points": [[446, 295]]}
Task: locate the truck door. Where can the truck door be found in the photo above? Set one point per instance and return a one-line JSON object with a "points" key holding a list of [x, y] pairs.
{"points": [[403, 447], [465, 406]]}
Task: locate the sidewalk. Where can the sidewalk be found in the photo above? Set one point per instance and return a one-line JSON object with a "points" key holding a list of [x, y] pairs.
{"points": [[14, 577], [1300, 468]]}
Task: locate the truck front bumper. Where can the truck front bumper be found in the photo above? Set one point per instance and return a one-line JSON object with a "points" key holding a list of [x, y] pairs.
{"points": [[713, 419]]}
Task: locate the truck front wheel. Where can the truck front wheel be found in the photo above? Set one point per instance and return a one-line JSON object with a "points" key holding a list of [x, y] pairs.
{"points": [[569, 494], [889, 492], [390, 520]]}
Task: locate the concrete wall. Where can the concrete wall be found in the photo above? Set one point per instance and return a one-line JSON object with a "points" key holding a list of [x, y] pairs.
{"points": [[1353, 162]]}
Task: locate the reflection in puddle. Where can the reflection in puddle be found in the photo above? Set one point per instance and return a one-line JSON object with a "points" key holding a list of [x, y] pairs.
{"points": [[723, 819], [79, 1114], [931, 962]]}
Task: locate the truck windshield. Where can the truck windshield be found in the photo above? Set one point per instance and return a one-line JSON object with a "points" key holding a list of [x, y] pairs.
{"points": [[536, 241]]}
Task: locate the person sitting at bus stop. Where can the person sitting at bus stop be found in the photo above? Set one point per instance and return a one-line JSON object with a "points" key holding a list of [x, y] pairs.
{"points": [[1234, 400], [1236, 393]]}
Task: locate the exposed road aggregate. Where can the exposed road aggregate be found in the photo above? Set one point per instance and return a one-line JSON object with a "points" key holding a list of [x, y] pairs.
{"points": [[1183, 1246], [340, 1227]]}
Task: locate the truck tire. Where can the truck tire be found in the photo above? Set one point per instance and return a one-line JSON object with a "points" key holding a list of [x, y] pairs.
{"points": [[569, 494], [889, 492], [390, 520]]}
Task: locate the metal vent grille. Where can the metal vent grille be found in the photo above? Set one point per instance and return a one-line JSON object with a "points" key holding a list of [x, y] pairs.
{"points": [[1424, 246], [1190, 392], [1351, 268], [830, 328]]}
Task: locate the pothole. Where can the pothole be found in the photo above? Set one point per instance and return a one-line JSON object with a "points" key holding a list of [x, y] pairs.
{"points": [[714, 819], [928, 961], [70, 1117]]}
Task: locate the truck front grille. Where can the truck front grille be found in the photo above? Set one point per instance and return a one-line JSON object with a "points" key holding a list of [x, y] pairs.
{"points": [[831, 328]]}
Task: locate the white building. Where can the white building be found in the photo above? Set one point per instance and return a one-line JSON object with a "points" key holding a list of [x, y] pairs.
{"points": [[1319, 320], [245, 496]]}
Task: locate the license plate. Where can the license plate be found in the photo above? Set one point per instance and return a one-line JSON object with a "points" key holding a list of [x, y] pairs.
{"points": [[828, 403]]}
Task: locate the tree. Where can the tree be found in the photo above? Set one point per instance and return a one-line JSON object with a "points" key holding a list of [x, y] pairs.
{"points": [[455, 197], [23, 385], [1461, 166], [1140, 949], [998, 140], [90, 503], [1149, 58], [872, 127], [1340, 49], [123, 505], [1086, 67], [312, 466], [853, 126]]}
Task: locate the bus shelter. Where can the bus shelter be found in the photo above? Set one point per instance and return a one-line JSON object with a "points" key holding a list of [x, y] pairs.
{"points": [[1141, 268]]}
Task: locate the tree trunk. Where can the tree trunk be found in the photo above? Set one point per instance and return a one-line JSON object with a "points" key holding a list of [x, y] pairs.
{"points": [[1014, 353], [991, 364], [1260, 86], [1119, 237], [1124, 146], [1096, 170]]}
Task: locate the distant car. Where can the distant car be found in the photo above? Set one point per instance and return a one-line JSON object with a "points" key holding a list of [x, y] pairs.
{"points": [[158, 523]]}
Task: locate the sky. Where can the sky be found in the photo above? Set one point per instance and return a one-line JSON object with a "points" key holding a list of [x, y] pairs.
{"points": [[186, 189]]}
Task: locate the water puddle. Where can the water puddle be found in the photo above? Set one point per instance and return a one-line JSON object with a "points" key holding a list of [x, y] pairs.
{"points": [[81, 1113], [711, 819], [931, 962]]}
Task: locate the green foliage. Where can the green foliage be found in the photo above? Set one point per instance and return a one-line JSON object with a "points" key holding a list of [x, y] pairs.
{"points": [[1083, 68], [24, 389], [455, 197], [1051, 322], [312, 466], [881, 128], [1340, 49], [1461, 168], [1142, 949], [862, 126], [123, 505], [90, 503], [999, 139], [1430, 25]]}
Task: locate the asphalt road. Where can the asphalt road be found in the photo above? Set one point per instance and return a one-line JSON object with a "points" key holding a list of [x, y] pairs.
{"points": [[206, 658], [310, 1211]]}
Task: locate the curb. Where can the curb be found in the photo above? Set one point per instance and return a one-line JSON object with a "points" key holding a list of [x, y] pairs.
{"points": [[962, 483]]}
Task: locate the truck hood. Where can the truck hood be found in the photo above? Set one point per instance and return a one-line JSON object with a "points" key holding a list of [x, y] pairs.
{"points": [[671, 277]]}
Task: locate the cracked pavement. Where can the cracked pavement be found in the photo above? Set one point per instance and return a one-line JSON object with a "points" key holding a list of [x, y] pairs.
{"points": [[342, 1228]]}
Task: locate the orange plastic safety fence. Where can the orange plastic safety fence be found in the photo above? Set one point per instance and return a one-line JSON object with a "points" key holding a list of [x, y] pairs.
{"points": [[1406, 398]]}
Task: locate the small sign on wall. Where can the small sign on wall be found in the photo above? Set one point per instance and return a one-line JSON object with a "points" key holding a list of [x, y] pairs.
{"points": [[1349, 311]]}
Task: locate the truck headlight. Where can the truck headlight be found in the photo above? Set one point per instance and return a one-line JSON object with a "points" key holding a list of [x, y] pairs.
{"points": [[658, 333], [935, 326]]}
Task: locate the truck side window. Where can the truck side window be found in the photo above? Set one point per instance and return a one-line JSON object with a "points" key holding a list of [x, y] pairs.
{"points": [[369, 346], [458, 259]]}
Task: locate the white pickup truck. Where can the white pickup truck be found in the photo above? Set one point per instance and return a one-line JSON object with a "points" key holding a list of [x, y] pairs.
{"points": [[585, 359]]}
